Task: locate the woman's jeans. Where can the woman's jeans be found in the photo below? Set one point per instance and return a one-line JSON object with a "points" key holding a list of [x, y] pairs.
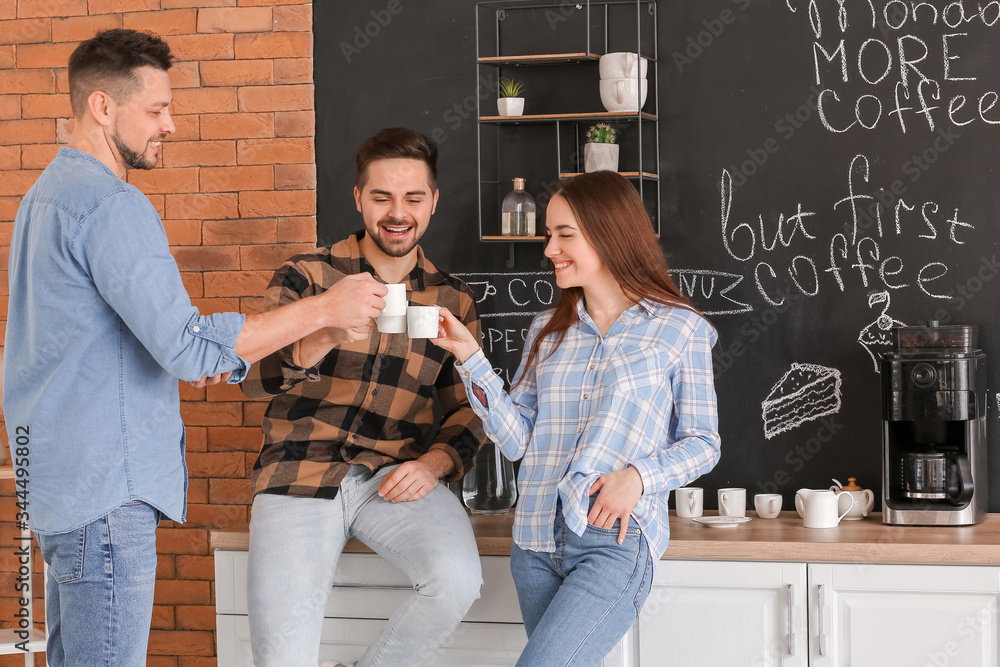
{"points": [[295, 544], [99, 593], [580, 600]]}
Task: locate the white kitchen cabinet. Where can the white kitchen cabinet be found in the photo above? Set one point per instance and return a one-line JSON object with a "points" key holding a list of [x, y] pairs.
{"points": [[725, 614], [366, 591], [762, 614], [921, 615]]}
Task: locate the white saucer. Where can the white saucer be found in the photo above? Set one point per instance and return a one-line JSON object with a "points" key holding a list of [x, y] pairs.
{"points": [[722, 521]]}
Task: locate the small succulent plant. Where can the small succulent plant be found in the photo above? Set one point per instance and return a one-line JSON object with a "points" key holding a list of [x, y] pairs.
{"points": [[602, 133], [511, 87]]}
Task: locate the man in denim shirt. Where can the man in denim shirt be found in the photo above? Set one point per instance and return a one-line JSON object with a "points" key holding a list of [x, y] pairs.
{"points": [[100, 328]]}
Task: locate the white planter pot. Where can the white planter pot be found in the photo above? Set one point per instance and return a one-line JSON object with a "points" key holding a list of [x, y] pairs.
{"points": [[600, 156], [510, 106]]}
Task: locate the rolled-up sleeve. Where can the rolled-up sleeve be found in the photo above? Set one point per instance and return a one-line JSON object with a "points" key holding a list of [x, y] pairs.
{"points": [[693, 445], [124, 248]]}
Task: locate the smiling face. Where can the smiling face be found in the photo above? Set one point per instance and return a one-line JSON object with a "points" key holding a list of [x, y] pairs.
{"points": [[139, 123], [576, 262], [396, 202]]}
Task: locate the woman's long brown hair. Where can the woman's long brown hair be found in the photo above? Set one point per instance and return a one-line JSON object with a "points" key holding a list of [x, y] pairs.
{"points": [[614, 221]]}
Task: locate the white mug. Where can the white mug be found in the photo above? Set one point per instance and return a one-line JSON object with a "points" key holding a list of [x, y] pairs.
{"points": [[623, 94], [422, 321], [392, 319], [768, 505], [819, 507], [622, 64], [689, 501], [732, 502]]}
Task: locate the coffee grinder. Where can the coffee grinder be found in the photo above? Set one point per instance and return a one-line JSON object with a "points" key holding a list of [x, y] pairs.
{"points": [[934, 427]]}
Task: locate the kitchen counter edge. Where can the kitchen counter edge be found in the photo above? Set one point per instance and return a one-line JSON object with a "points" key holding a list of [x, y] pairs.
{"points": [[781, 539]]}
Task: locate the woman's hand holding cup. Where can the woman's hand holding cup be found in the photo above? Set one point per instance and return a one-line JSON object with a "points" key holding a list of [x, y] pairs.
{"points": [[454, 337]]}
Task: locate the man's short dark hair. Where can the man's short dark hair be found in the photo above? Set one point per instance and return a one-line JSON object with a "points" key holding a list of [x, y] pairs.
{"points": [[396, 142], [108, 61]]}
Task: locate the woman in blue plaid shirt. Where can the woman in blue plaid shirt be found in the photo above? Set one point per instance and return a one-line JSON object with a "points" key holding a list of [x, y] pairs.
{"points": [[613, 407]]}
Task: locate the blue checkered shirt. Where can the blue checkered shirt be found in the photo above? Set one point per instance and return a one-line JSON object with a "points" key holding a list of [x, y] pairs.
{"points": [[641, 395]]}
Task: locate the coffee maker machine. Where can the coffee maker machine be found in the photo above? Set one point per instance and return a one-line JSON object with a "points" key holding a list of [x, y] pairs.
{"points": [[934, 427]]}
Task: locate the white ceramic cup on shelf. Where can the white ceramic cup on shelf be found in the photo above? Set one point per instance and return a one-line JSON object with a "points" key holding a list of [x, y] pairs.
{"points": [[422, 321], [732, 502], [392, 319], [768, 505], [689, 501], [623, 94], [623, 64]]}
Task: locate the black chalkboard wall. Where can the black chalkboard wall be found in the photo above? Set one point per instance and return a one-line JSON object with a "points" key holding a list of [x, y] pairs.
{"points": [[822, 163]]}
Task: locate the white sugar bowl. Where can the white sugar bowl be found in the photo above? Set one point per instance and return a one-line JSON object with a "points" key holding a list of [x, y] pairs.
{"points": [[864, 499]]}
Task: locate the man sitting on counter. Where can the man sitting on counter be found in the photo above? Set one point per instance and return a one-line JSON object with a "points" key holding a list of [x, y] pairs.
{"points": [[349, 444]]}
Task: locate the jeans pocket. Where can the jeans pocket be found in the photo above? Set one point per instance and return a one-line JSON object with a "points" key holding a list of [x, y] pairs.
{"points": [[65, 554], [630, 531]]}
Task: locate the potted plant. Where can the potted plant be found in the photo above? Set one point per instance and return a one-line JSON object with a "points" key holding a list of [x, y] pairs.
{"points": [[600, 151], [510, 102]]}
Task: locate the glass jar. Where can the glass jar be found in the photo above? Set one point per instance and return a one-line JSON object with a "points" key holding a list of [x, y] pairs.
{"points": [[517, 214], [490, 487]]}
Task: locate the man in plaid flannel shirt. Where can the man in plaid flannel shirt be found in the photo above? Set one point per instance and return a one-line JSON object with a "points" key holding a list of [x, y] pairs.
{"points": [[350, 448]]}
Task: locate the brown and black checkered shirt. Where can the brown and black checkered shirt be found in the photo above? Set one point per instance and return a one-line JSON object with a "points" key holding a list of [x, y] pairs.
{"points": [[369, 402]]}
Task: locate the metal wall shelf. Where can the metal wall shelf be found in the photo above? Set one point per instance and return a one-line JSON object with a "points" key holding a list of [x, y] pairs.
{"points": [[516, 146]]}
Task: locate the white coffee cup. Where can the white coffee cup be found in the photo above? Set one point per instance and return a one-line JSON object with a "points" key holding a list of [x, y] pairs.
{"points": [[819, 507], [422, 321], [392, 319], [623, 94], [732, 502], [689, 501], [622, 64], [768, 505]]}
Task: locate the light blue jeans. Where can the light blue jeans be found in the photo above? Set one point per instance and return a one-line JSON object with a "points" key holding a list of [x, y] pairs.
{"points": [[99, 593], [295, 544], [580, 600]]}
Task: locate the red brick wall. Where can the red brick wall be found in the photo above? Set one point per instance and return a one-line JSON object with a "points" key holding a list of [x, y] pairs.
{"points": [[237, 193]]}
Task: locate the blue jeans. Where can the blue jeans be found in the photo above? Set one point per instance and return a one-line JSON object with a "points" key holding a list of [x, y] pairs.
{"points": [[99, 593], [295, 544], [580, 600]]}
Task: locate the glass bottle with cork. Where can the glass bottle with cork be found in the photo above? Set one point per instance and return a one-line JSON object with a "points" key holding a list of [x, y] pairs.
{"points": [[517, 214]]}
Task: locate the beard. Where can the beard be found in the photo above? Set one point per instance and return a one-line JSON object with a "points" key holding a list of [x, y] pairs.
{"points": [[390, 246], [134, 160]]}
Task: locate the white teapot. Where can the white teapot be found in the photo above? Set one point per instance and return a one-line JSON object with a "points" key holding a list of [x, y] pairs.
{"points": [[864, 499]]}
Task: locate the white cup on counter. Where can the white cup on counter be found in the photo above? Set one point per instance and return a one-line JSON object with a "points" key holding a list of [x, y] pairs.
{"points": [[768, 505], [689, 501], [422, 321], [392, 319], [732, 502]]}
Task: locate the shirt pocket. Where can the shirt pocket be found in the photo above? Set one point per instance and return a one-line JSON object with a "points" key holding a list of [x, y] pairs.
{"points": [[635, 373], [424, 361]]}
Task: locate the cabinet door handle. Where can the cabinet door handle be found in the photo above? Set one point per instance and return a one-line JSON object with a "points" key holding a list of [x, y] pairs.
{"points": [[791, 630], [822, 608]]}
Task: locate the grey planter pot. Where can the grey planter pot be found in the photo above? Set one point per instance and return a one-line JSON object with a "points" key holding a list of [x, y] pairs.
{"points": [[600, 156]]}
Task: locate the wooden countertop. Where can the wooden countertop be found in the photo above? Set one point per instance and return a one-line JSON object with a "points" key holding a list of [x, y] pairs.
{"points": [[781, 539]]}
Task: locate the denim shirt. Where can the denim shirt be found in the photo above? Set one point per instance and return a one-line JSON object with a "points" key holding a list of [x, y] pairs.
{"points": [[99, 330]]}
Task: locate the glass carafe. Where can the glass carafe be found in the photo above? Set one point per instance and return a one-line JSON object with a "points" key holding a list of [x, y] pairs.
{"points": [[517, 213], [490, 487]]}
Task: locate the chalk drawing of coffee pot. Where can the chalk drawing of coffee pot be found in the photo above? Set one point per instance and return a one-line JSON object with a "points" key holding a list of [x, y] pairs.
{"points": [[877, 334]]}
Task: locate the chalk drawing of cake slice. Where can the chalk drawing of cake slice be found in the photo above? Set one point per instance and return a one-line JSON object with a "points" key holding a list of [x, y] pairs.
{"points": [[804, 392]]}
